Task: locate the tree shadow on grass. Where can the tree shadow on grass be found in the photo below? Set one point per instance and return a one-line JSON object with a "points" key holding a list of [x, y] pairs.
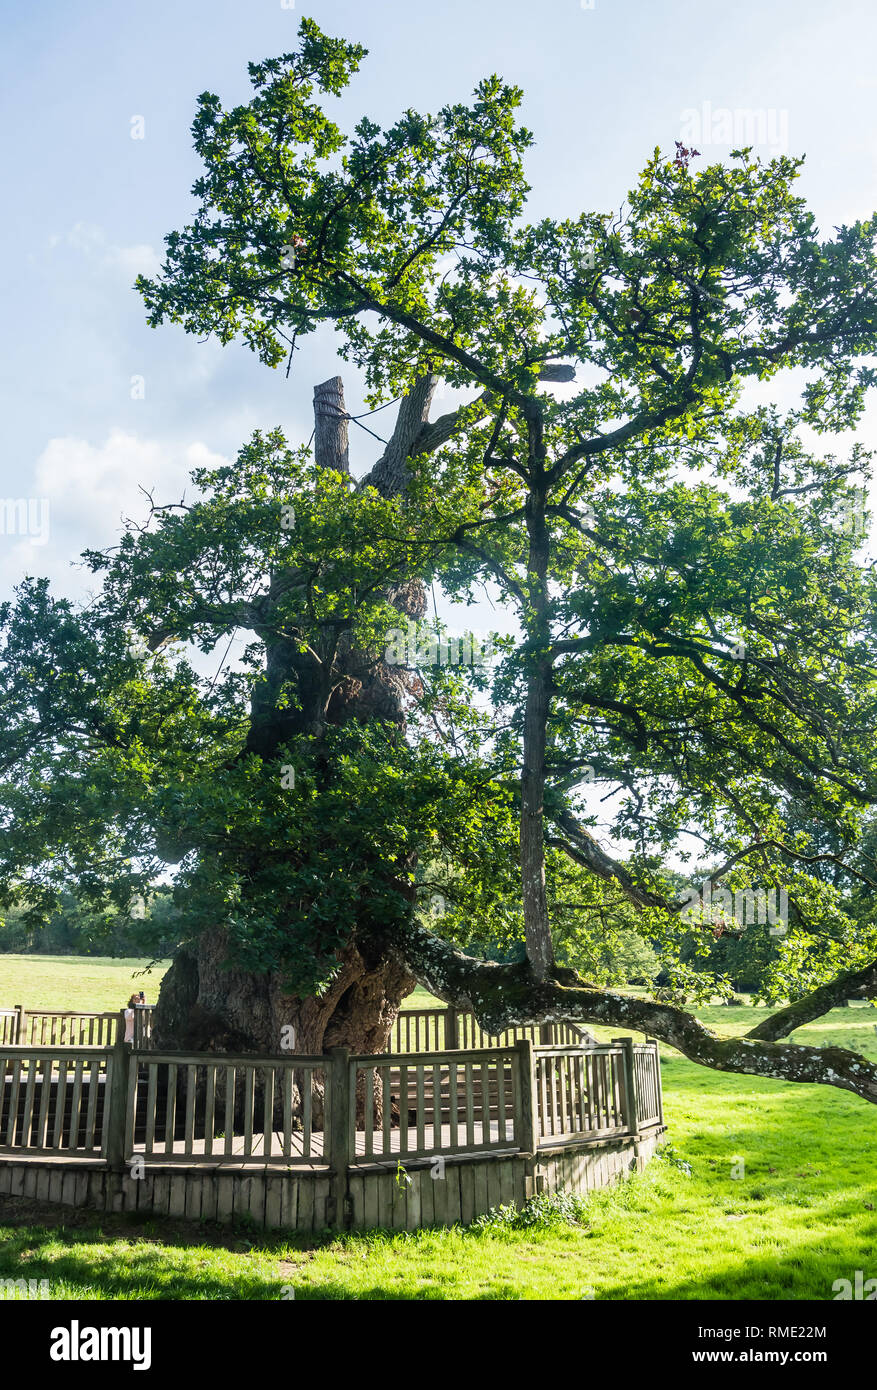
{"points": [[142, 1273], [145, 1268], [805, 1274]]}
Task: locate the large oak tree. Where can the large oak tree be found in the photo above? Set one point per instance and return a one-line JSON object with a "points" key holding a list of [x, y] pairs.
{"points": [[692, 634]]}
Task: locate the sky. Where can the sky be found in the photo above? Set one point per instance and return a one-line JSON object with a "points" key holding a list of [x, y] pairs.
{"points": [[97, 407]]}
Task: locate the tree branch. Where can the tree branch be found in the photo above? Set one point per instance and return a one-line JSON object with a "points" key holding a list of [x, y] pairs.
{"points": [[853, 984], [507, 996]]}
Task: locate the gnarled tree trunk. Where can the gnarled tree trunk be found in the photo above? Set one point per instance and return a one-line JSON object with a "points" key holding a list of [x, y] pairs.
{"points": [[206, 1007], [204, 1004]]}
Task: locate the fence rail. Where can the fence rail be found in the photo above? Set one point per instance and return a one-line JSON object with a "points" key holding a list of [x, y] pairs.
{"points": [[23, 1027], [51, 1027], [580, 1092], [420, 1107], [649, 1101], [431, 1029], [414, 1030], [143, 1026], [197, 1106], [422, 1030]]}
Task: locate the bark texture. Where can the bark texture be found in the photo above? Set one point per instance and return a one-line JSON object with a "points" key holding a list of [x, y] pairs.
{"points": [[503, 996], [203, 1005]]}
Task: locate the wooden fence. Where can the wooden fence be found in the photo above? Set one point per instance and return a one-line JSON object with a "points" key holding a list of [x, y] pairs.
{"points": [[597, 1092], [580, 1092], [55, 1100], [57, 1028], [337, 1111], [414, 1030], [437, 1028], [404, 1138], [445, 1103], [209, 1106], [143, 1026], [647, 1078]]}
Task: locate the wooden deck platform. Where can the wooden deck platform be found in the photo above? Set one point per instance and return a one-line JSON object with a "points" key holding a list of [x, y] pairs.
{"points": [[494, 1137], [399, 1139]]}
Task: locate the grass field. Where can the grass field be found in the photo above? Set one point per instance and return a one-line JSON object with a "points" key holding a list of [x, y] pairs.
{"points": [[83, 984], [799, 1214]]}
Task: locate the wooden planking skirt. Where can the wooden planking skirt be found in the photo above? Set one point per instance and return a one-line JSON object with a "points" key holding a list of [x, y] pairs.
{"points": [[437, 1195], [294, 1201], [585, 1168], [465, 1189]]}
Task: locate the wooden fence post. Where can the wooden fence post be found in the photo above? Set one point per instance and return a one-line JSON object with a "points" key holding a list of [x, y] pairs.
{"points": [[142, 1019], [526, 1133], [659, 1082], [19, 1024], [116, 1098], [336, 1132], [451, 1031], [631, 1110]]}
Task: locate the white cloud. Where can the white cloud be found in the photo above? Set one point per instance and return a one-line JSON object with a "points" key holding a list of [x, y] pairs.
{"points": [[134, 260], [90, 489], [91, 241]]}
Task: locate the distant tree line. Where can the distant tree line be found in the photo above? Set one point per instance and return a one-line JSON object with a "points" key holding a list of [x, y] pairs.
{"points": [[77, 930]]}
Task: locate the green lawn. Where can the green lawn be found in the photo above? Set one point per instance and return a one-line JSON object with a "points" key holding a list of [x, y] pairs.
{"points": [[800, 1214], [83, 984], [94, 983]]}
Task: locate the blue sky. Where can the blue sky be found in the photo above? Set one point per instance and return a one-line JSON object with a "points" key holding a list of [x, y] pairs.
{"points": [[87, 205]]}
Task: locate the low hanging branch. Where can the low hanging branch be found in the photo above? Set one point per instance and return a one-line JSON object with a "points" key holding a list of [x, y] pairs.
{"points": [[857, 984], [854, 984], [505, 996]]}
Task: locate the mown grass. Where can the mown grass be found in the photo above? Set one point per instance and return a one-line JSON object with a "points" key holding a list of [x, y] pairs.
{"points": [[799, 1214], [84, 984], [97, 983]]}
